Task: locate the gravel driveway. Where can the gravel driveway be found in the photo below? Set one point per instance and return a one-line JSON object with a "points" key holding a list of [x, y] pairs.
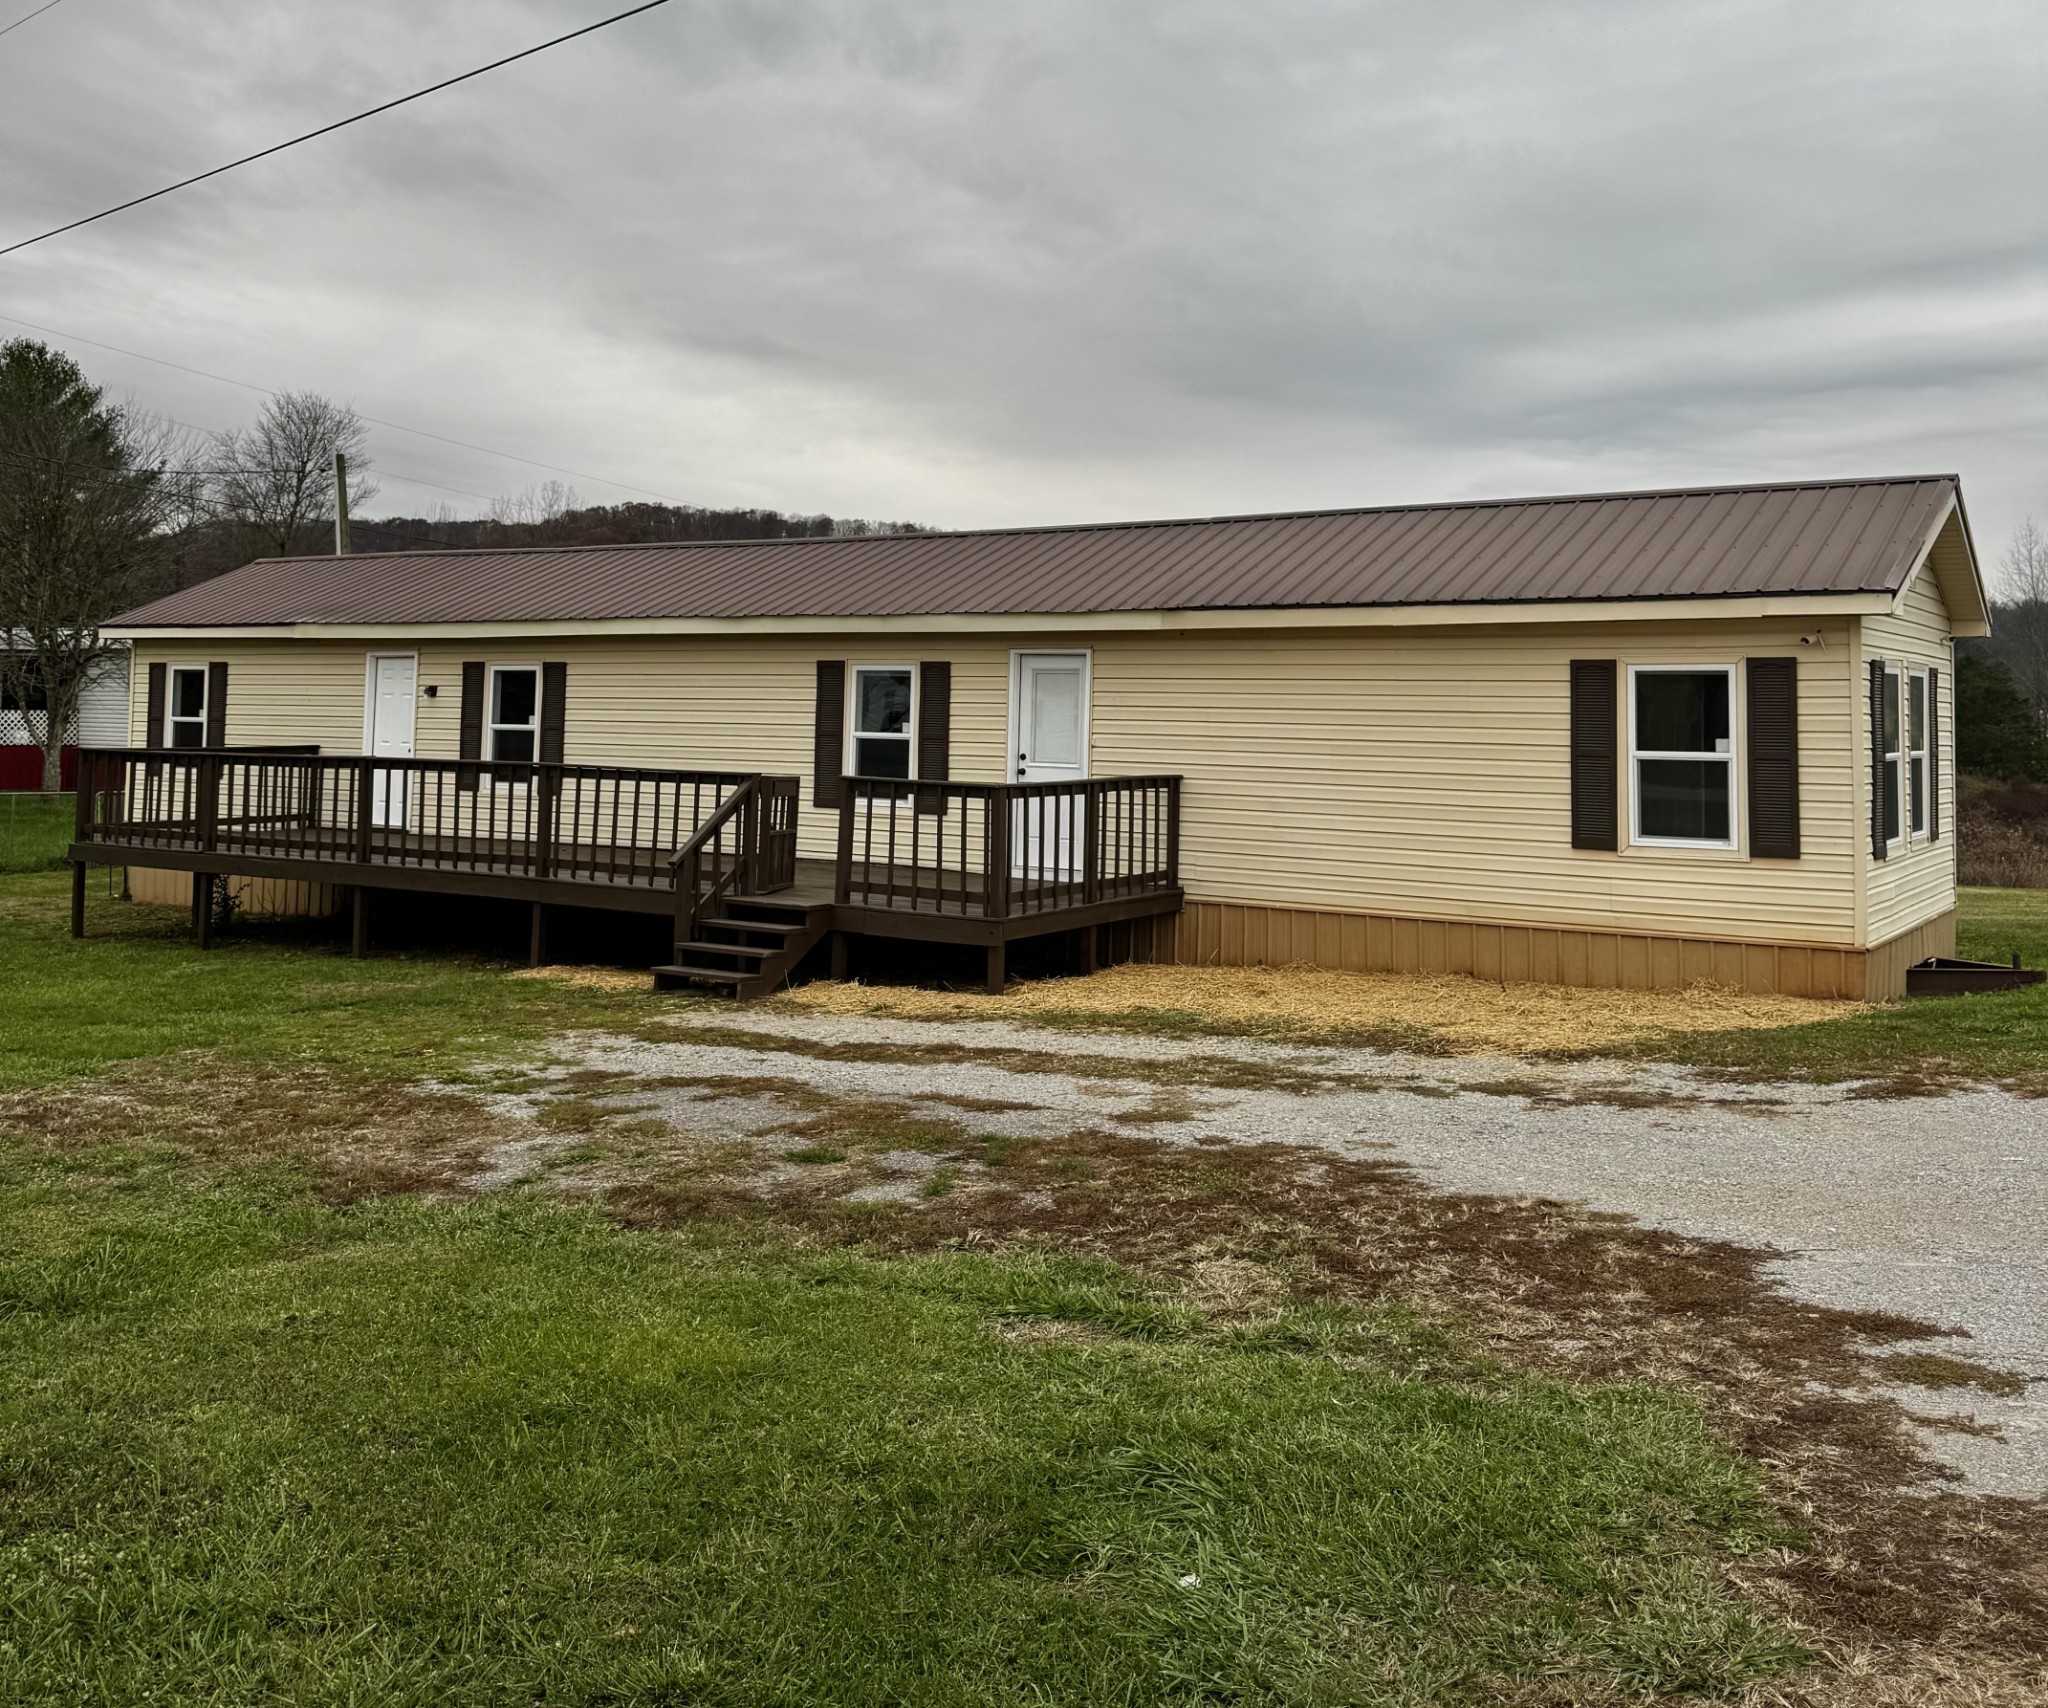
{"points": [[1934, 1207]]}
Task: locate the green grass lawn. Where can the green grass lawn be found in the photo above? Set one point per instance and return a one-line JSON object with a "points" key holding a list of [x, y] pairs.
{"points": [[271, 991], [257, 1446], [256, 1450], [34, 831]]}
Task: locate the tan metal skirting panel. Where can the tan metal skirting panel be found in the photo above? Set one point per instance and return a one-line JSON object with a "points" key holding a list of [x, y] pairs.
{"points": [[1888, 961], [254, 895], [1232, 934]]}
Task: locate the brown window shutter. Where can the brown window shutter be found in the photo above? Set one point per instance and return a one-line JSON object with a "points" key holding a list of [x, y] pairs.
{"points": [[472, 737], [1596, 817], [554, 699], [934, 731], [1933, 755], [828, 747], [1774, 758], [1878, 768], [217, 704], [155, 731]]}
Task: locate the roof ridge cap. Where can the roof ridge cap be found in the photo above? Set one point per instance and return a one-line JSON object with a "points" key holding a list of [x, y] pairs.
{"points": [[1028, 530]]}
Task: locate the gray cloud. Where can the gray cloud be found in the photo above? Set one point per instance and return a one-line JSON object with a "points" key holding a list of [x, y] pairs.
{"points": [[981, 263]]}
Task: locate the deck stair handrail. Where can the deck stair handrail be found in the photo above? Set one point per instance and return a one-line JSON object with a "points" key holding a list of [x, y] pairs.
{"points": [[604, 824], [746, 847], [1005, 851]]}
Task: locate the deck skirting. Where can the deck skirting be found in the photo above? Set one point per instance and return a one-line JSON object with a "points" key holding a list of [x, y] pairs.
{"points": [[1240, 934], [276, 897]]}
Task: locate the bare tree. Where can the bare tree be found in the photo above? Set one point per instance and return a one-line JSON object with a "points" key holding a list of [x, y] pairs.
{"points": [[2023, 622], [92, 502], [540, 510], [276, 479]]}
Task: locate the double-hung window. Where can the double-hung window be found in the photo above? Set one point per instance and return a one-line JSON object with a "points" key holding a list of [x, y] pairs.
{"points": [[1682, 756], [882, 715], [515, 713], [1891, 732], [1916, 752], [188, 707]]}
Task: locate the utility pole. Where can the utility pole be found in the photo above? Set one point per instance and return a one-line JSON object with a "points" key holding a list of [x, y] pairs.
{"points": [[340, 505]]}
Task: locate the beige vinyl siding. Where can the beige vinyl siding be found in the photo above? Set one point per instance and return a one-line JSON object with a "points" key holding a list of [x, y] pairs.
{"points": [[1418, 772], [1918, 881], [278, 691], [1426, 774]]}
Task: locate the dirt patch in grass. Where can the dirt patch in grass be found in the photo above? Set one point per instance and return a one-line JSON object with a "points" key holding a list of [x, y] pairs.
{"points": [[1932, 1370], [1228, 1073], [355, 1135], [1462, 1015]]}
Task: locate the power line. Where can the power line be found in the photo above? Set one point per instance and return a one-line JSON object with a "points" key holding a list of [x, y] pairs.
{"points": [[37, 13], [393, 426], [326, 130]]}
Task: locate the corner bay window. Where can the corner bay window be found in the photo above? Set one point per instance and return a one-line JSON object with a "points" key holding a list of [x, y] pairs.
{"points": [[881, 722], [1682, 756], [515, 714], [188, 707]]}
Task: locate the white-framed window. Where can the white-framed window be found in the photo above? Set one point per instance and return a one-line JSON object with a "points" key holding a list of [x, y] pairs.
{"points": [[1891, 731], [1681, 737], [186, 719], [1916, 778], [884, 715], [514, 727]]}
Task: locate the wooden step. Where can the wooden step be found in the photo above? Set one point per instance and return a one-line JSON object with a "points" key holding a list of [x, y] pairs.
{"points": [[716, 956], [677, 976]]}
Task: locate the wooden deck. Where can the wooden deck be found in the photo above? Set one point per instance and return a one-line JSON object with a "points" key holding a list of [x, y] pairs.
{"points": [[965, 863]]}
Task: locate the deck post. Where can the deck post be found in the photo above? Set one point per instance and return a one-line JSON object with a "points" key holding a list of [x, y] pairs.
{"points": [[1091, 948], [78, 898], [546, 784], [996, 967], [202, 909], [365, 810], [995, 853], [839, 957], [842, 865], [537, 938], [359, 921]]}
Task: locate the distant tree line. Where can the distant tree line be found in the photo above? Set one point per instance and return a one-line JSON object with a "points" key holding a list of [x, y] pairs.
{"points": [[2002, 680], [552, 515]]}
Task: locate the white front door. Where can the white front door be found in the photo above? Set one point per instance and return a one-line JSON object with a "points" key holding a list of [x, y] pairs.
{"points": [[393, 692], [1050, 716]]}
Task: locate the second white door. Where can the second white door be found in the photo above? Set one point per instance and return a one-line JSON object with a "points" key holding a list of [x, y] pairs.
{"points": [[394, 689], [1050, 717]]}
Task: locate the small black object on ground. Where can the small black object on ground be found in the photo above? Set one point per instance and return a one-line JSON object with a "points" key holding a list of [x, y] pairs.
{"points": [[1941, 975]]}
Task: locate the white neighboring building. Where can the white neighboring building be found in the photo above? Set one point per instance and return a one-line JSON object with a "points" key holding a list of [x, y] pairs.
{"points": [[102, 722]]}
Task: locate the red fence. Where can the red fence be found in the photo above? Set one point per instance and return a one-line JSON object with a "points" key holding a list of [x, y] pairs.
{"points": [[22, 768]]}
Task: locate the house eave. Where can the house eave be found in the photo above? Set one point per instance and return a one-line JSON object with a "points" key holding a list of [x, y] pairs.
{"points": [[1519, 614]]}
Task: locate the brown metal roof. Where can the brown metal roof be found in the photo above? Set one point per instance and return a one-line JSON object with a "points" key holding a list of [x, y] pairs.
{"points": [[1820, 537]]}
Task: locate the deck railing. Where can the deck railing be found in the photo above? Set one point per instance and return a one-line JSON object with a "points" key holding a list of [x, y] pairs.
{"points": [[1006, 850], [746, 847], [603, 824]]}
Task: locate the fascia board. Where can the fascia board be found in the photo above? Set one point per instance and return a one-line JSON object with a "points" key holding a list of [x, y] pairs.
{"points": [[1789, 606]]}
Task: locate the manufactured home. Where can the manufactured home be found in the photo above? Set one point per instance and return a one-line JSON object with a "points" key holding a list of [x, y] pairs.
{"points": [[1637, 739]]}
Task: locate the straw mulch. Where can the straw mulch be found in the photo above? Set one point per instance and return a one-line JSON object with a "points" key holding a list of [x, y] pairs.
{"points": [[1465, 1015]]}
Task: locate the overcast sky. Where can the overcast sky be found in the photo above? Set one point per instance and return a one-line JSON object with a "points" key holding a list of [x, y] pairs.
{"points": [[977, 262]]}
